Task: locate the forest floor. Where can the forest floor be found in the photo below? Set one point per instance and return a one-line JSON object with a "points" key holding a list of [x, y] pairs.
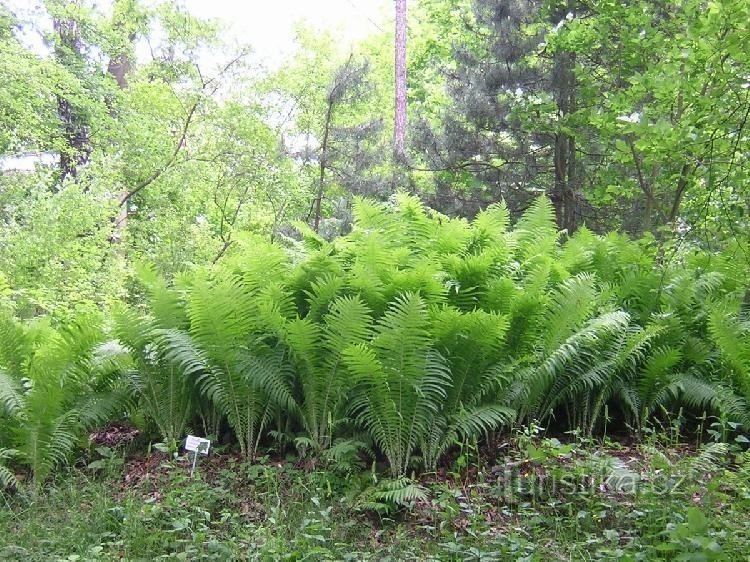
{"points": [[533, 499]]}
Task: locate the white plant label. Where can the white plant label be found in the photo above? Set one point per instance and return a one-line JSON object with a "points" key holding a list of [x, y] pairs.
{"points": [[197, 444]]}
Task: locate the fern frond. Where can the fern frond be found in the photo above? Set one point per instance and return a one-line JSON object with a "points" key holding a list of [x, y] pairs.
{"points": [[492, 222], [400, 491], [11, 399], [15, 345], [571, 305], [166, 304], [478, 421], [711, 458], [400, 381], [7, 476], [732, 337], [536, 232]]}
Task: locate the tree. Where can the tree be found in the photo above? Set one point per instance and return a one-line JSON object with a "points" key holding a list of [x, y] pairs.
{"points": [[670, 108], [623, 114], [137, 140], [331, 127], [477, 146]]}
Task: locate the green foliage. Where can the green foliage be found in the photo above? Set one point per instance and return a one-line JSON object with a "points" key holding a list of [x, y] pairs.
{"points": [[630, 116], [427, 332], [573, 500], [54, 385], [318, 354], [163, 392], [281, 310], [472, 343], [732, 336], [415, 333], [400, 381], [388, 496]]}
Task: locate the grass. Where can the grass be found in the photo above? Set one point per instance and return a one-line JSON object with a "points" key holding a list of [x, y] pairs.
{"points": [[540, 500]]}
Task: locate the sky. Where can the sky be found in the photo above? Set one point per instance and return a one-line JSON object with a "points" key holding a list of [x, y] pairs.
{"points": [[268, 25]]}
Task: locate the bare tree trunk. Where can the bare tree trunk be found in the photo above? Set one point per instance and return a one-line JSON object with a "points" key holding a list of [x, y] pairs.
{"points": [[682, 185], [343, 81], [571, 193], [648, 190], [399, 129], [561, 177], [126, 17], [322, 162], [566, 188], [119, 66], [561, 83], [574, 170]]}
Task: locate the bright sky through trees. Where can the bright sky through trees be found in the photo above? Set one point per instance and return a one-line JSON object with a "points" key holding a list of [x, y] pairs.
{"points": [[269, 26]]}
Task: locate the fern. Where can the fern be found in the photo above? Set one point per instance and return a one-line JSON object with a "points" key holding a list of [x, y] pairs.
{"points": [[536, 232], [400, 381], [15, 344], [416, 329], [656, 378], [54, 393], [239, 371], [387, 496], [166, 304], [163, 389], [571, 305], [571, 366], [732, 337], [7, 476], [346, 454], [490, 227], [711, 458], [472, 345], [316, 352]]}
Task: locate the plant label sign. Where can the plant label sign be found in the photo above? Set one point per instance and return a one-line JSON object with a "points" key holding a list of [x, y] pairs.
{"points": [[197, 444]]}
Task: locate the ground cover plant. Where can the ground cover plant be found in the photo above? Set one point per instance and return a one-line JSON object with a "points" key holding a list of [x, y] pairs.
{"points": [[550, 499]]}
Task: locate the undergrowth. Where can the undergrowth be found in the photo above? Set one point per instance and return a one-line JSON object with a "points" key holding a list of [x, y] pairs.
{"points": [[543, 499]]}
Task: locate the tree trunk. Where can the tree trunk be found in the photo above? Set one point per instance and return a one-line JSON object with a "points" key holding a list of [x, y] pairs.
{"points": [[322, 165], [646, 188], [565, 193], [126, 18], [119, 66], [399, 128], [571, 193], [560, 187], [682, 184], [648, 212]]}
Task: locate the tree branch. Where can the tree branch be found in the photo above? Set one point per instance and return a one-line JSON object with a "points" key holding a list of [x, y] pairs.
{"points": [[172, 159]]}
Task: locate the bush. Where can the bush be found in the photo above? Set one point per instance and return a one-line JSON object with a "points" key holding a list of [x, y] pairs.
{"points": [[421, 330]]}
